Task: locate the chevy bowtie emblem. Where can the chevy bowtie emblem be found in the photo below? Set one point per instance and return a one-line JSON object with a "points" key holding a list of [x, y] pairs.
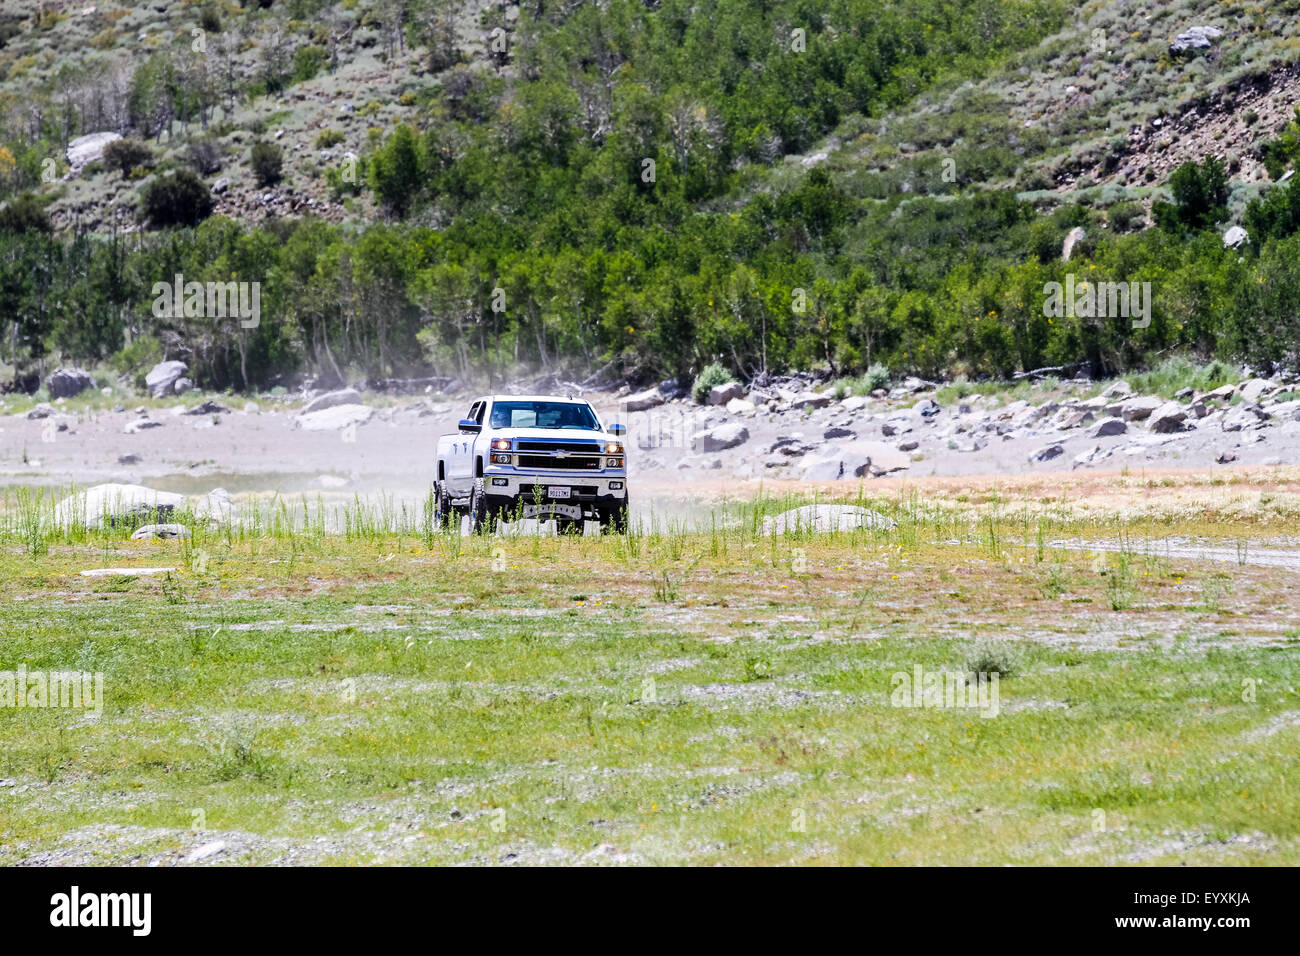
{"points": [[561, 454]]}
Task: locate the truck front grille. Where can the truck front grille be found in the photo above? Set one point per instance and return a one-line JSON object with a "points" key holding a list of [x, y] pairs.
{"points": [[569, 462]]}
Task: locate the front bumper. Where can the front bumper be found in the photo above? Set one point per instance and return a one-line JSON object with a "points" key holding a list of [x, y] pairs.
{"points": [[530, 495]]}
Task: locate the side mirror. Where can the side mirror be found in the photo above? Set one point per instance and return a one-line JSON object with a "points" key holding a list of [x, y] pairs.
{"points": [[469, 425], [618, 429]]}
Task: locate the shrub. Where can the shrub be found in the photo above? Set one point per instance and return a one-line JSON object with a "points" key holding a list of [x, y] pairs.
{"points": [[877, 377], [268, 163], [179, 199], [23, 213], [307, 62], [712, 375], [125, 155], [210, 19], [995, 658], [204, 155], [1126, 216], [329, 137]]}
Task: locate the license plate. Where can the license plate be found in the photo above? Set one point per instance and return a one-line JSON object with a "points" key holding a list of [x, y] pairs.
{"points": [[553, 492]]}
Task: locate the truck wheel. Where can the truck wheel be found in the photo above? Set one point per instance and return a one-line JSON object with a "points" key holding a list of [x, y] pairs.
{"points": [[443, 512], [614, 521], [480, 521]]}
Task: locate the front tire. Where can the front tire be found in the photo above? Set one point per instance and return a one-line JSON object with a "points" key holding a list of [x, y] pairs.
{"points": [[615, 520], [443, 512], [480, 519]]}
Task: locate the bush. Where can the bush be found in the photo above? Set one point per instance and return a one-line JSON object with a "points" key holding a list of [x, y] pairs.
{"points": [[329, 137], [124, 155], [268, 163], [712, 375], [23, 213], [1126, 216], [877, 377], [179, 199], [307, 62], [204, 155]]}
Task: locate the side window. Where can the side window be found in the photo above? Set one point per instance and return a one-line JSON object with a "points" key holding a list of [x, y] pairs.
{"points": [[482, 408], [474, 411]]}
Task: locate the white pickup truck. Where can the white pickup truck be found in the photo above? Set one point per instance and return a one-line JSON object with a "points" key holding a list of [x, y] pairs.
{"points": [[532, 456]]}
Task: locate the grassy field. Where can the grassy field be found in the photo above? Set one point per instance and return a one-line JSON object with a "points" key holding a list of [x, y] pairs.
{"points": [[388, 694]]}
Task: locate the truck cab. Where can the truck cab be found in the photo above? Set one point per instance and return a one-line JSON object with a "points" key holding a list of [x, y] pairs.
{"points": [[533, 456]]}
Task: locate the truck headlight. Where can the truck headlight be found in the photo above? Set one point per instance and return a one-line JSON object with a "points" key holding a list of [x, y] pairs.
{"points": [[613, 462], [614, 448], [501, 444], [500, 459]]}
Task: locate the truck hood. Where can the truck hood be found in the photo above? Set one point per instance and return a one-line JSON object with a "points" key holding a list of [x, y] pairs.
{"points": [[552, 434]]}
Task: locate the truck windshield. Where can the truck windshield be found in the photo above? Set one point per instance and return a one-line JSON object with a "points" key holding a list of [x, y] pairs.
{"points": [[543, 415]]}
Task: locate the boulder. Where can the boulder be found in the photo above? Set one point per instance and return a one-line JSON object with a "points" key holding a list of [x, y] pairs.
{"points": [[1139, 409], [150, 532], [1254, 389], [343, 396], [1235, 238], [721, 438], [838, 432], [738, 406], [1220, 394], [182, 386], [811, 400], [114, 504], [1048, 453], [821, 518], [1090, 457], [335, 418], [88, 149], [43, 410], [1119, 389], [66, 382], [1169, 417], [1072, 238], [643, 401], [162, 378], [1111, 426], [722, 394], [1196, 38], [215, 507], [140, 425]]}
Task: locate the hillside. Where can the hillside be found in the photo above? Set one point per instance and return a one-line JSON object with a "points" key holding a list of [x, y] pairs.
{"points": [[436, 187]]}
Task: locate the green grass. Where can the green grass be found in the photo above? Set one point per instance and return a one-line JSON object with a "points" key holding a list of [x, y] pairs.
{"points": [[381, 694]]}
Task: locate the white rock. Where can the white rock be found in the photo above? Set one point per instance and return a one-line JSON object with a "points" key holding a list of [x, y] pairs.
{"points": [[343, 396], [153, 531], [720, 438], [114, 503], [333, 419], [739, 406], [822, 518], [162, 378], [205, 851], [89, 148], [722, 394]]}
